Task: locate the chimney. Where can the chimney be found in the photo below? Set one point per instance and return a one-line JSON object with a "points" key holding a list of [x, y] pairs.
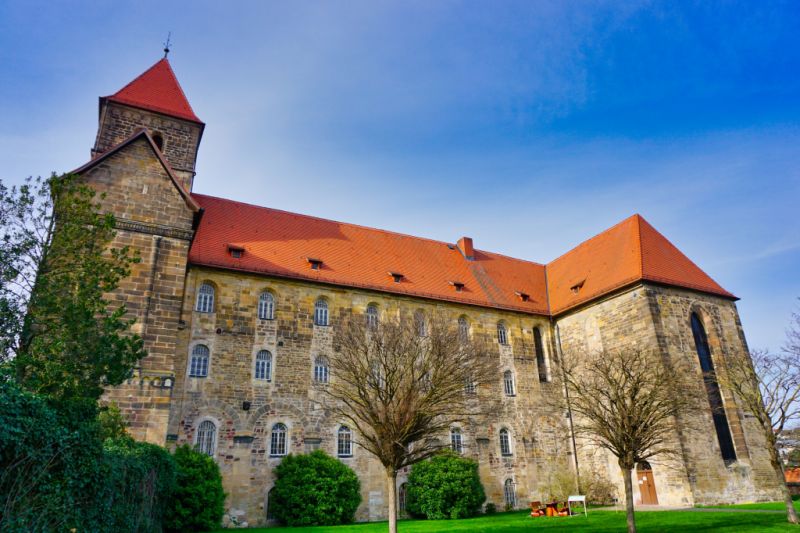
{"points": [[465, 246]]}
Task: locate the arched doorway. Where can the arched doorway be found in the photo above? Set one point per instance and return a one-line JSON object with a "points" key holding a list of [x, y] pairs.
{"points": [[647, 485]]}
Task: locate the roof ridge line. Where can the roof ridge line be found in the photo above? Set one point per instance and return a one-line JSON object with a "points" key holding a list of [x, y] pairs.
{"points": [[639, 219]]}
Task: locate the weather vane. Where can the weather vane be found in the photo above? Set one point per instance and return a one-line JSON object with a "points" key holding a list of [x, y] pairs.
{"points": [[166, 45]]}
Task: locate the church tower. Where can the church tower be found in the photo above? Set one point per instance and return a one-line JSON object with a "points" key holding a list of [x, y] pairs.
{"points": [[154, 101], [143, 164]]}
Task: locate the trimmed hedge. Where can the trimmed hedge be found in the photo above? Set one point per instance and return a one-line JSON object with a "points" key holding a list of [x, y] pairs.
{"points": [[314, 489], [445, 486]]}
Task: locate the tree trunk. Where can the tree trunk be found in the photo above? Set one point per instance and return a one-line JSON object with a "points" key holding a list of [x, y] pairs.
{"points": [[391, 475], [777, 465], [626, 474]]}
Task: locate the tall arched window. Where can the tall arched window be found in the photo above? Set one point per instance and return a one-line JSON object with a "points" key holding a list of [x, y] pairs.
{"points": [[270, 506], [206, 439], [463, 329], [205, 299], [402, 494], [264, 365], [712, 390], [321, 313], [344, 446], [198, 366], [502, 336], [266, 306], [505, 443], [455, 440], [539, 347], [508, 382], [419, 323], [321, 369], [510, 493], [277, 441], [372, 316]]}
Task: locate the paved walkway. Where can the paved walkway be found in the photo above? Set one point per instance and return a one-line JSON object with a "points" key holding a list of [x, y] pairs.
{"points": [[692, 509]]}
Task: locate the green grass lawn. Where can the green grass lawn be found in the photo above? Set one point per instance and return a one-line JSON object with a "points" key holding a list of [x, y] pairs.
{"points": [[770, 506], [597, 521]]}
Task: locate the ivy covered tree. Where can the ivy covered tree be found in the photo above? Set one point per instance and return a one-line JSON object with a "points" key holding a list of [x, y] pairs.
{"points": [[58, 334]]}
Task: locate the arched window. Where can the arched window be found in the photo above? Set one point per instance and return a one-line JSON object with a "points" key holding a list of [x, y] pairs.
{"points": [[508, 382], [539, 347], [712, 390], [510, 493], [463, 329], [372, 316], [321, 369], [277, 441], [206, 439], [205, 299], [270, 507], [502, 337], [419, 323], [505, 443], [455, 440], [402, 494], [198, 367], [264, 365], [469, 385], [321, 313], [344, 447], [266, 306]]}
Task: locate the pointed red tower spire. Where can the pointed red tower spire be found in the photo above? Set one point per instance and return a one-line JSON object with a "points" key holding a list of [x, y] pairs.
{"points": [[157, 89]]}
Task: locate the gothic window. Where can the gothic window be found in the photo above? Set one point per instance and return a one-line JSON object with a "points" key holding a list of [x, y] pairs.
{"points": [[321, 313], [508, 382], [206, 438], [539, 347], [502, 336], [266, 306], [455, 440], [372, 316], [505, 443], [463, 329], [344, 446], [277, 442], [712, 390], [402, 494], [419, 323], [510, 493], [270, 507], [198, 366], [264, 365], [205, 299], [321, 371]]}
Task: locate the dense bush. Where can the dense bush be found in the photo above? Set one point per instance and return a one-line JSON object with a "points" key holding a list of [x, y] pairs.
{"points": [[598, 488], [198, 500], [446, 486], [314, 489]]}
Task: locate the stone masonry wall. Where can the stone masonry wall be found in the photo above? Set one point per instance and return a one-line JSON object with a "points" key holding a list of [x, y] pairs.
{"points": [[181, 137], [153, 219], [234, 335]]}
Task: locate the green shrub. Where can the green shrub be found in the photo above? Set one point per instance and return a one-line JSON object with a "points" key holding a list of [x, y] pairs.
{"points": [[314, 489], [198, 500], [445, 486], [490, 508], [112, 422]]}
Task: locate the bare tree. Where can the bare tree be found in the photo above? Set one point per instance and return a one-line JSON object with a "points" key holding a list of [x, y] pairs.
{"points": [[768, 386], [629, 402], [403, 383]]}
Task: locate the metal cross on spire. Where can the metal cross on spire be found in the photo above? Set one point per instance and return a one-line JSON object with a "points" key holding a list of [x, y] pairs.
{"points": [[166, 45]]}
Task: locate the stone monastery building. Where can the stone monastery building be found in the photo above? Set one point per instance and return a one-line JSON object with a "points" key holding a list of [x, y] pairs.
{"points": [[237, 303]]}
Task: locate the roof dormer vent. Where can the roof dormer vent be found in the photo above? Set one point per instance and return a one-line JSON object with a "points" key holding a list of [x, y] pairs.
{"points": [[522, 296], [457, 285], [397, 277], [235, 251], [316, 264], [577, 287]]}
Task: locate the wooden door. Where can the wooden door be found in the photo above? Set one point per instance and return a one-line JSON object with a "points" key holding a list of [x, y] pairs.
{"points": [[647, 485]]}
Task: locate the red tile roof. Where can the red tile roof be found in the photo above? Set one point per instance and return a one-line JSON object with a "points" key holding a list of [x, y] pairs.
{"points": [[157, 89], [279, 243], [628, 252]]}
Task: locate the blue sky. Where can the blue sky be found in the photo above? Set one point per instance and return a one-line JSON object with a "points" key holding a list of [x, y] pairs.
{"points": [[529, 126]]}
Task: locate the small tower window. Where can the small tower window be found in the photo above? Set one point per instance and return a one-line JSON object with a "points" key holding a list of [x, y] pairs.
{"points": [[205, 299], [510, 494], [540, 361], [321, 371], [455, 440], [345, 442], [463, 329], [372, 316], [266, 306], [502, 335], [206, 438], [321, 313], [198, 367], [264, 365], [505, 443], [277, 442], [419, 324], [508, 382]]}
